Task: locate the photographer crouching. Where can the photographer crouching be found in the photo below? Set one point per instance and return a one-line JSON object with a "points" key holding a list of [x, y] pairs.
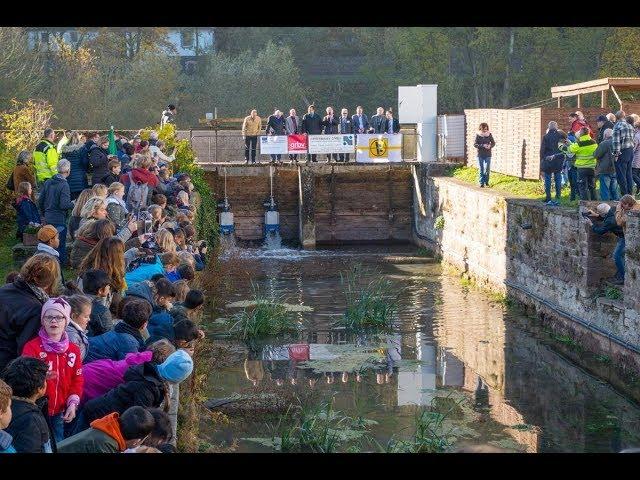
{"points": [[605, 216]]}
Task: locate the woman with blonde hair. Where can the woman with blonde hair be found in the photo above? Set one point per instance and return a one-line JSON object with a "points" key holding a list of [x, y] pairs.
{"points": [[165, 241], [21, 304], [108, 256], [116, 206], [100, 190], [76, 213], [96, 209]]}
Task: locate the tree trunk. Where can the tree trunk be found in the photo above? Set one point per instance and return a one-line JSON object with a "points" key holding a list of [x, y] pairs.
{"points": [[507, 77]]}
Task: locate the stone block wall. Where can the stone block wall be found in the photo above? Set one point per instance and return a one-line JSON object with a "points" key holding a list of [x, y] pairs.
{"points": [[546, 256]]}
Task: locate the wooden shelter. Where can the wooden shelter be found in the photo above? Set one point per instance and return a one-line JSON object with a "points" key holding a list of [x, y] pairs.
{"points": [[602, 85]]}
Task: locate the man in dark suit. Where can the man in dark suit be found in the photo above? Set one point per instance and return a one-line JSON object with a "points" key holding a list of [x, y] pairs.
{"points": [[345, 126], [293, 126], [275, 126], [379, 122], [393, 126], [312, 125], [330, 124], [360, 121]]}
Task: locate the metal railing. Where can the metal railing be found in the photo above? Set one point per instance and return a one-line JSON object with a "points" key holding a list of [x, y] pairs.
{"points": [[227, 146]]}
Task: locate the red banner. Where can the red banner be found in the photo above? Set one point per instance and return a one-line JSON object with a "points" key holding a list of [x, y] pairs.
{"points": [[297, 143]]}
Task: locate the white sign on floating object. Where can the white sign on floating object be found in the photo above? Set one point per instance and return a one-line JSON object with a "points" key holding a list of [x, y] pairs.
{"points": [[331, 143], [273, 145], [380, 148]]}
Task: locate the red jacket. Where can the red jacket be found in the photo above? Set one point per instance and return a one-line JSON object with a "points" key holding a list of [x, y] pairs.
{"points": [[140, 175], [577, 124], [65, 373]]}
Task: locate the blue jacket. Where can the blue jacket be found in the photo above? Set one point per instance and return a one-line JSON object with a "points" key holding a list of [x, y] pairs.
{"points": [[173, 276], [5, 443], [77, 156], [160, 326], [144, 272], [26, 212], [55, 200], [114, 345]]}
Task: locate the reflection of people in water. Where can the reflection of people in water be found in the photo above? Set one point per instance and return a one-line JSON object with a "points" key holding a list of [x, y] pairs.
{"points": [[312, 377], [482, 393], [293, 372], [254, 371], [278, 370]]}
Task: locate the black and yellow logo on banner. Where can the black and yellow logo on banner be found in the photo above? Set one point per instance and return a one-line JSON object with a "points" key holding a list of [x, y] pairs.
{"points": [[378, 147]]}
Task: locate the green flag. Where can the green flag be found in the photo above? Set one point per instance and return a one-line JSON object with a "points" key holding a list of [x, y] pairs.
{"points": [[112, 142]]}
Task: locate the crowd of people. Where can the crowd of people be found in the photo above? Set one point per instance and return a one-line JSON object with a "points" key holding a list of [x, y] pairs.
{"points": [[579, 156], [312, 124], [89, 364]]}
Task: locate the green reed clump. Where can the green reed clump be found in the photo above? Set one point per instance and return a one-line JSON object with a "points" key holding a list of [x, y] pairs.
{"points": [[262, 319], [429, 436], [318, 429], [369, 305]]}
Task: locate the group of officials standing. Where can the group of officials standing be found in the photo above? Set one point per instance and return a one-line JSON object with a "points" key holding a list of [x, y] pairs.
{"points": [[312, 124]]}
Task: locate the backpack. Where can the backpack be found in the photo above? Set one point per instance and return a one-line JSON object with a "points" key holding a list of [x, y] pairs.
{"points": [[137, 195]]}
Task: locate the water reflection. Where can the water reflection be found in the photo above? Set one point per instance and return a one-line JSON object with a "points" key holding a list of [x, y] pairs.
{"points": [[449, 340]]}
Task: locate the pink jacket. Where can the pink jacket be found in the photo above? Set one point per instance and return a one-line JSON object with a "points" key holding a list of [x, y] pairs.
{"points": [[103, 375]]}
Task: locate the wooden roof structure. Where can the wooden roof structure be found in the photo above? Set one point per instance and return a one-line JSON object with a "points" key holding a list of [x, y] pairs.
{"points": [[602, 85]]}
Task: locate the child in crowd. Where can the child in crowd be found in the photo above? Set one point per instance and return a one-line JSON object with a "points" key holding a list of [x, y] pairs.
{"points": [[187, 258], [183, 201], [114, 167], [6, 440], [160, 200], [192, 304], [146, 385], [96, 284], [186, 272], [99, 190], [162, 432], [164, 264], [112, 433], [126, 336], [116, 207], [48, 241], [181, 287], [27, 211], [76, 213], [27, 377], [104, 375], [64, 386], [77, 328]]}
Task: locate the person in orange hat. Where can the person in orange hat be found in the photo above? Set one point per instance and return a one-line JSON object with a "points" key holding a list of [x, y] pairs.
{"points": [[112, 433]]}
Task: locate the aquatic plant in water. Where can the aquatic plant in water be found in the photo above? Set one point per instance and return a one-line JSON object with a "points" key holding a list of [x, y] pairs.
{"points": [[263, 318], [317, 429], [371, 305]]}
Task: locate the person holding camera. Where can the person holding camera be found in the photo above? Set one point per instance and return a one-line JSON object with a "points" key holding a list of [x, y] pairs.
{"points": [[609, 224]]}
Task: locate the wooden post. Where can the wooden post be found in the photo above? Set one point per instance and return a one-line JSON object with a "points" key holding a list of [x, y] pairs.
{"points": [[603, 99], [579, 101], [559, 102]]}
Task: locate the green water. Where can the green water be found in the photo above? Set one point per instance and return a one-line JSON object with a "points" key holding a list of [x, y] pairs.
{"points": [[455, 354]]}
